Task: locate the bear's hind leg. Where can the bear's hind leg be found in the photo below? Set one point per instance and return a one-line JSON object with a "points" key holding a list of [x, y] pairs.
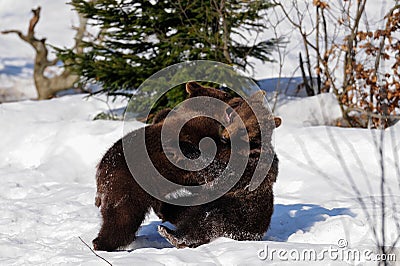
{"points": [[120, 224]]}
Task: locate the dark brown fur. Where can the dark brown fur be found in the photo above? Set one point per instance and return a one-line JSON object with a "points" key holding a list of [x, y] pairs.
{"points": [[195, 90], [240, 214], [161, 115], [123, 203]]}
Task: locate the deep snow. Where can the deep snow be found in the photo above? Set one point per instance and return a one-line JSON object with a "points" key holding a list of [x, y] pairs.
{"points": [[49, 151]]}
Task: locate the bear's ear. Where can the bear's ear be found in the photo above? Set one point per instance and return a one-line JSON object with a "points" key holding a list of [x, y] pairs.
{"points": [[278, 121], [193, 86]]}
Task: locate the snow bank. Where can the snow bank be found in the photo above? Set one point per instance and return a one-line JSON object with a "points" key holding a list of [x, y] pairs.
{"points": [[49, 150], [321, 109], [16, 81], [56, 134]]}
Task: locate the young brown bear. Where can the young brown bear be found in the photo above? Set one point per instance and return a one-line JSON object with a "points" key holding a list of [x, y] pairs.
{"points": [[122, 201], [240, 214]]}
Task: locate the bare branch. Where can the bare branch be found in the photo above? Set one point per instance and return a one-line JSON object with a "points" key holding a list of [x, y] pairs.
{"points": [[45, 86], [80, 32], [19, 33], [97, 255], [33, 22]]}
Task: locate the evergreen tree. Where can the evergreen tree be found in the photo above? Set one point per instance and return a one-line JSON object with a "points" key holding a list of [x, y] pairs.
{"points": [[138, 38]]}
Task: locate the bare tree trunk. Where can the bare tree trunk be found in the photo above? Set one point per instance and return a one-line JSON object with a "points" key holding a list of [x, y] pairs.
{"points": [[309, 89], [324, 58], [221, 8], [348, 70], [45, 86], [318, 52]]}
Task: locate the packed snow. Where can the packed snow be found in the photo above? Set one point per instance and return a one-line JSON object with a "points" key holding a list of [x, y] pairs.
{"points": [[49, 151]]}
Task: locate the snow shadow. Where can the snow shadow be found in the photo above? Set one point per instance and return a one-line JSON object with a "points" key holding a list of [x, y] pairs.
{"points": [[15, 66], [288, 219], [148, 237]]}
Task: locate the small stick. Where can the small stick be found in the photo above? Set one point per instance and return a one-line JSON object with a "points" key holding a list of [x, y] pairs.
{"points": [[93, 251]]}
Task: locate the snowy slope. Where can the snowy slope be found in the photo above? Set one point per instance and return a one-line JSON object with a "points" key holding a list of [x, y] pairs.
{"points": [[49, 150]]}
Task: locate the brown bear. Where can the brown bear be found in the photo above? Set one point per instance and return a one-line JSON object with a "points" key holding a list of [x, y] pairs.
{"points": [[122, 201], [240, 214], [194, 90]]}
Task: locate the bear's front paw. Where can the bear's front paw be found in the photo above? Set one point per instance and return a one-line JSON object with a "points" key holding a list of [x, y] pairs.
{"points": [[99, 244], [96, 244]]}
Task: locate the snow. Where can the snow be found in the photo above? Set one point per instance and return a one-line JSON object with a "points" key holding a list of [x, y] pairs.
{"points": [[16, 56], [16, 82], [178, 194], [374, 12], [49, 151], [55, 25], [321, 109]]}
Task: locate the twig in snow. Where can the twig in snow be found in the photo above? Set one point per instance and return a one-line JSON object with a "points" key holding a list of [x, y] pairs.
{"points": [[94, 252]]}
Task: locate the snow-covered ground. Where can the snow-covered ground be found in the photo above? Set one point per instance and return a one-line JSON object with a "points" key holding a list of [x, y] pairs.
{"points": [[49, 150]]}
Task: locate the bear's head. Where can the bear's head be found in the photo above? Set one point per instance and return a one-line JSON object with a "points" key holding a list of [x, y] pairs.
{"points": [[196, 117], [244, 113]]}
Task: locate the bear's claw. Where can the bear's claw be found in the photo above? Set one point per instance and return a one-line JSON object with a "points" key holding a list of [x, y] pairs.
{"points": [[168, 234]]}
